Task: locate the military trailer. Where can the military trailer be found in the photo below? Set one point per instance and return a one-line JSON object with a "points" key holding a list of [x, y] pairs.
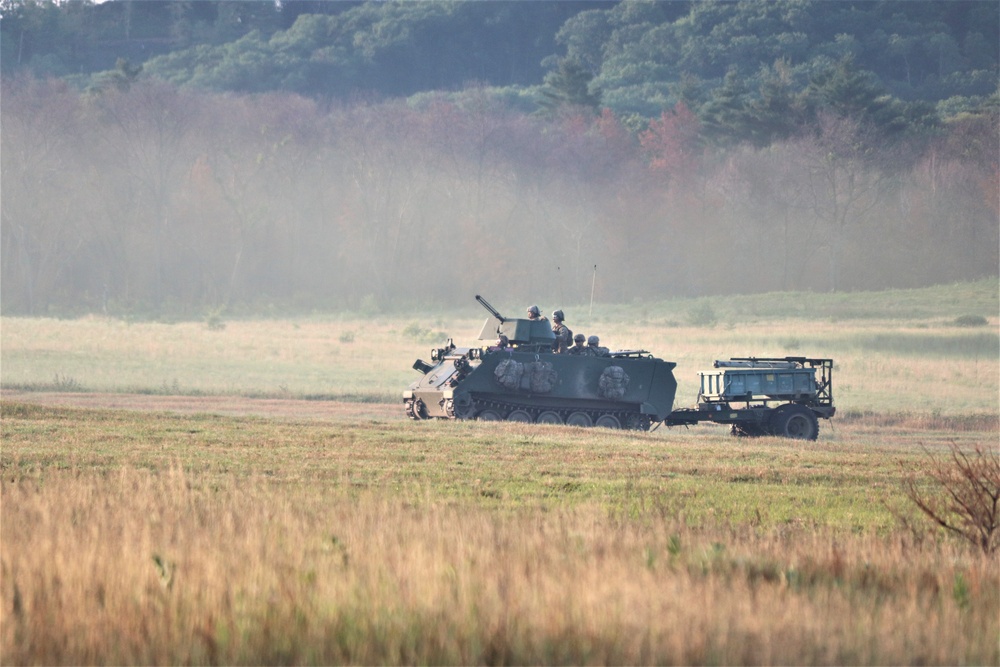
{"points": [[784, 396], [518, 378]]}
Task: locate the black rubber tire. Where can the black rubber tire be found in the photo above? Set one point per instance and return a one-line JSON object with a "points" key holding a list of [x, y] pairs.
{"points": [[795, 421]]}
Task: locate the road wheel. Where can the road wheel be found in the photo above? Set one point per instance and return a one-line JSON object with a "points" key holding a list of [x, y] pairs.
{"points": [[580, 419], [549, 417], [520, 416], [489, 416], [795, 421], [415, 409], [608, 421], [639, 422]]}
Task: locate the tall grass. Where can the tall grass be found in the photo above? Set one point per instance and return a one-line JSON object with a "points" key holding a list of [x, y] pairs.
{"points": [[150, 538], [152, 567]]}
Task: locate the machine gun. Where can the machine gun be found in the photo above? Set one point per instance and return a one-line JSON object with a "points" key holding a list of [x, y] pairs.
{"points": [[519, 332], [493, 311]]}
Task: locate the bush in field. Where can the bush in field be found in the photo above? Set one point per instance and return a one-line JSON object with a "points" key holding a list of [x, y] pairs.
{"points": [[964, 497], [214, 321], [971, 321], [422, 335], [702, 315]]}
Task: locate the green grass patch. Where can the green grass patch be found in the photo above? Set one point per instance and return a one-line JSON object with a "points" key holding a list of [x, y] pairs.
{"points": [[973, 345], [708, 480]]}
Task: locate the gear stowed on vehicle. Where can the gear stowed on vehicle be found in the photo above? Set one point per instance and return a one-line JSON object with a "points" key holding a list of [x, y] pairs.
{"points": [[518, 378]]}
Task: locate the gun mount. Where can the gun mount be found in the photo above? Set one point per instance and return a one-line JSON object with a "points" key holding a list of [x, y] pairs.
{"points": [[518, 333]]}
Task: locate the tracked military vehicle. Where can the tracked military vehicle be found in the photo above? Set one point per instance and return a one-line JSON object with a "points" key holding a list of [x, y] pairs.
{"points": [[516, 377]]}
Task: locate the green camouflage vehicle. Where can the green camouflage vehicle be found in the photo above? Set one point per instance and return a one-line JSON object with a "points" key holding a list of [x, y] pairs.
{"points": [[518, 378]]}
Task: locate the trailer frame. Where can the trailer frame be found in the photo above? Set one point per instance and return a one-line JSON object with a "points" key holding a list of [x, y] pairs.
{"points": [[792, 414]]}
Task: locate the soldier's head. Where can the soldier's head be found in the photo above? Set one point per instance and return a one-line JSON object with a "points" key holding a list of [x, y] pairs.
{"points": [[557, 316], [533, 312], [579, 339], [593, 341]]}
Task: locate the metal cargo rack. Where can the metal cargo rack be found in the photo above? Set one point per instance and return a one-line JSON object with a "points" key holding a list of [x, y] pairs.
{"points": [[763, 395]]}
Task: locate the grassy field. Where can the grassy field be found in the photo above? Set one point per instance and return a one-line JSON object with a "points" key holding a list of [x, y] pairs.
{"points": [[146, 538], [896, 352], [352, 535]]}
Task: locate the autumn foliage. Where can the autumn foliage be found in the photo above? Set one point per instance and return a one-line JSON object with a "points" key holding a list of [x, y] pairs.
{"points": [[152, 199]]}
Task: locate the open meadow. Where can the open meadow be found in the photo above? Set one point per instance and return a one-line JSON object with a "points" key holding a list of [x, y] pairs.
{"points": [[249, 491]]}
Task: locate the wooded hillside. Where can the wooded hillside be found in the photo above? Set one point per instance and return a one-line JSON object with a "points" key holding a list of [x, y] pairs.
{"points": [[346, 155]]}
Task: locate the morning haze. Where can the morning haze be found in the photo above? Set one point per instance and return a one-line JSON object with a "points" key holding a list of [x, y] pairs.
{"points": [[263, 158]]}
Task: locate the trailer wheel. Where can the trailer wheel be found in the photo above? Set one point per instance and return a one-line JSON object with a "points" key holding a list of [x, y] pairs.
{"points": [[795, 421]]}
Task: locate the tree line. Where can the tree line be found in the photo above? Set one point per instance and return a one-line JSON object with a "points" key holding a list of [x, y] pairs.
{"points": [[152, 198], [637, 58]]}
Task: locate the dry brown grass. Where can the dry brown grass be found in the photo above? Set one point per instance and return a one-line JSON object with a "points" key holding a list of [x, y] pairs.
{"points": [[135, 567], [338, 533]]}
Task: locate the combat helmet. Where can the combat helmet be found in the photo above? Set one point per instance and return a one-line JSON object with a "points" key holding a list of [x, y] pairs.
{"points": [[579, 338], [534, 311], [558, 316], [593, 340]]}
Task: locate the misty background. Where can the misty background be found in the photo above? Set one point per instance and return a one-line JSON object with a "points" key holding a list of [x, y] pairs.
{"points": [[255, 171]]}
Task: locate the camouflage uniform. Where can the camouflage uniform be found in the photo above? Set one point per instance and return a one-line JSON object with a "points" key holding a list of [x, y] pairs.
{"points": [[563, 334], [593, 344], [579, 348]]}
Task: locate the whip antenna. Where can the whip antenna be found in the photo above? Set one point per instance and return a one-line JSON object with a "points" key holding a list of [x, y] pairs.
{"points": [[593, 284]]}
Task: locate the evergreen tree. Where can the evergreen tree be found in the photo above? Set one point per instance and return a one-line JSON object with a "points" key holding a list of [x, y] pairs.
{"points": [[850, 92], [725, 118], [777, 112], [569, 84]]}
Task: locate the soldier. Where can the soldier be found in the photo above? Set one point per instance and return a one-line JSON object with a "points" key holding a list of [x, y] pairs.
{"points": [[579, 347], [594, 345], [502, 343], [535, 315], [562, 332]]}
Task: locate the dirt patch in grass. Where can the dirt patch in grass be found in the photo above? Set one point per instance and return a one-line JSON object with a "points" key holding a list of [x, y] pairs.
{"points": [[223, 405], [925, 422]]}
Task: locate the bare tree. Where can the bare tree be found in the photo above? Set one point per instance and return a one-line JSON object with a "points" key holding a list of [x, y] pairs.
{"points": [[41, 229], [844, 181], [965, 494], [144, 131]]}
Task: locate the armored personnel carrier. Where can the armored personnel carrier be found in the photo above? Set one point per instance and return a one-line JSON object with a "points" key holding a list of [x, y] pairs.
{"points": [[516, 377]]}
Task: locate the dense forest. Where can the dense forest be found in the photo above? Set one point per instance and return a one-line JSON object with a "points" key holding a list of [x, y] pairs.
{"points": [[184, 157]]}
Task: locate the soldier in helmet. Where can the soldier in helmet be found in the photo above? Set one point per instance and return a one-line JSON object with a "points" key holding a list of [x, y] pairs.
{"points": [[535, 315], [579, 348], [594, 345], [564, 335]]}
